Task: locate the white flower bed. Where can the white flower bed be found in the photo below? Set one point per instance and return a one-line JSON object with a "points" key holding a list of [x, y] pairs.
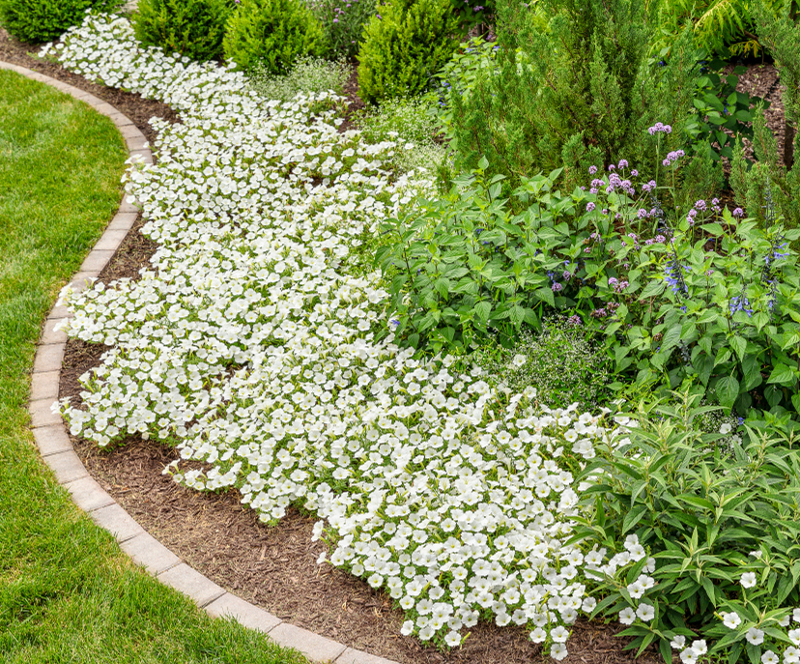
{"points": [[252, 345]]}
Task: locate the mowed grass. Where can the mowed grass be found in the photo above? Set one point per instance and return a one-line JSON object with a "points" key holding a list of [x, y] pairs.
{"points": [[67, 593]]}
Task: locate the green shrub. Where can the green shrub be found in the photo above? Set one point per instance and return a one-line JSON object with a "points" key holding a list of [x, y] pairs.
{"points": [[574, 90], [39, 21], [194, 28], [780, 182], [344, 22], [404, 45], [272, 33], [563, 364], [709, 525], [308, 76]]}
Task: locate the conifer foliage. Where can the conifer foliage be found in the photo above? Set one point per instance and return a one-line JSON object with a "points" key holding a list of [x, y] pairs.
{"points": [[771, 187], [579, 92]]}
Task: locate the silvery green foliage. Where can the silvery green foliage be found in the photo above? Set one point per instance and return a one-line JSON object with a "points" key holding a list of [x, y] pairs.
{"points": [[250, 346], [309, 75], [409, 120]]}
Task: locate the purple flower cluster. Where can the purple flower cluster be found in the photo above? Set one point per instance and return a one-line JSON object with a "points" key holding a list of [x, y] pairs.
{"points": [[673, 157], [673, 275], [649, 186], [617, 285], [616, 182], [659, 127], [740, 303], [738, 212]]}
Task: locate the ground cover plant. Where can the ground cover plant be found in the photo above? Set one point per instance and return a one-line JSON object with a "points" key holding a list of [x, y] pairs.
{"points": [[67, 592], [293, 396], [264, 343]]}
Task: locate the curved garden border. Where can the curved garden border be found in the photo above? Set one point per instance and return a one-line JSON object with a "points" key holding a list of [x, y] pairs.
{"points": [[57, 451]]}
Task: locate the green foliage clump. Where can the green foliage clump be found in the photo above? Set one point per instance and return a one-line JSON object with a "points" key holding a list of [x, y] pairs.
{"points": [[272, 33], [309, 75], [769, 182], [344, 22], [39, 21], [561, 362], [409, 122], [404, 45], [473, 14], [194, 28], [719, 26], [684, 294], [703, 532], [576, 91], [722, 114]]}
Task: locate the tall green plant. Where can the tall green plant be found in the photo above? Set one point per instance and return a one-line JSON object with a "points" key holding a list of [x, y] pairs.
{"points": [[580, 92], [781, 181]]}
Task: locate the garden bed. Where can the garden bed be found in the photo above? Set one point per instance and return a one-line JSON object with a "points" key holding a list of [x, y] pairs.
{"points": [[277, 567]]}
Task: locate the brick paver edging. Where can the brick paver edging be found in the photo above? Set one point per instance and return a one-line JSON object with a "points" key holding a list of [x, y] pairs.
{"points": [[56, 449]]}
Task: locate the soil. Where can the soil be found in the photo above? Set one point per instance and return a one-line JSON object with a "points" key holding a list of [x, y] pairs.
{"points": [[276, 567]]}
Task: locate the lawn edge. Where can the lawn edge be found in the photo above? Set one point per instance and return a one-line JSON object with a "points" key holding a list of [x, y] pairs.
{"points": [[57, 452]]}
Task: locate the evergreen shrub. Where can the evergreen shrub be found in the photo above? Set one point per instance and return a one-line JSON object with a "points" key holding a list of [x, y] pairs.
{"points": [[574, 86], [404, 45], [194, 28], [39, 21], [272, 33], [773, 180]]}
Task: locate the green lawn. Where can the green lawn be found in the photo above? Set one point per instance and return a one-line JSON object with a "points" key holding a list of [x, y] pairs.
{"points": [[67, 593]]}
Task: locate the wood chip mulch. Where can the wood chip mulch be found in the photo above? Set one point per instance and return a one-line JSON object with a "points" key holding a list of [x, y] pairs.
{"points": [[276, 567]]}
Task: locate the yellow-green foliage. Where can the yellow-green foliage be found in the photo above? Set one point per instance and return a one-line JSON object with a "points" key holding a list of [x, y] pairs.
{"points": [[272, 33], [404, 45]]}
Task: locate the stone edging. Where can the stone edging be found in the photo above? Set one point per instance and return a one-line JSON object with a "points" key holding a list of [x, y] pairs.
{"points": [[57, 451]]}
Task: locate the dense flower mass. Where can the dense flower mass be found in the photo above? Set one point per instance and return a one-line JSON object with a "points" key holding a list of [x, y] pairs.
{"points": [[259, 343]]}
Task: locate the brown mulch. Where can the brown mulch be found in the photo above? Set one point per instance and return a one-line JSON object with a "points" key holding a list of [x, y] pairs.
{"points": [[275, 567]]}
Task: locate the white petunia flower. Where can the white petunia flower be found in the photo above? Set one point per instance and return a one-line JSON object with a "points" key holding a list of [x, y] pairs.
{"points": [[755, 636], [731, 620], [748, 579]]}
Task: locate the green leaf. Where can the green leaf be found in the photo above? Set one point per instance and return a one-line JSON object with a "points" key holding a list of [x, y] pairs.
{"points": [[633, 517], [671, 338], [727, 389], [442, 285], [713, 228], [782, 375], [653, 289], [752, 372], [482, 311], [546, 294], [739, 344]]}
